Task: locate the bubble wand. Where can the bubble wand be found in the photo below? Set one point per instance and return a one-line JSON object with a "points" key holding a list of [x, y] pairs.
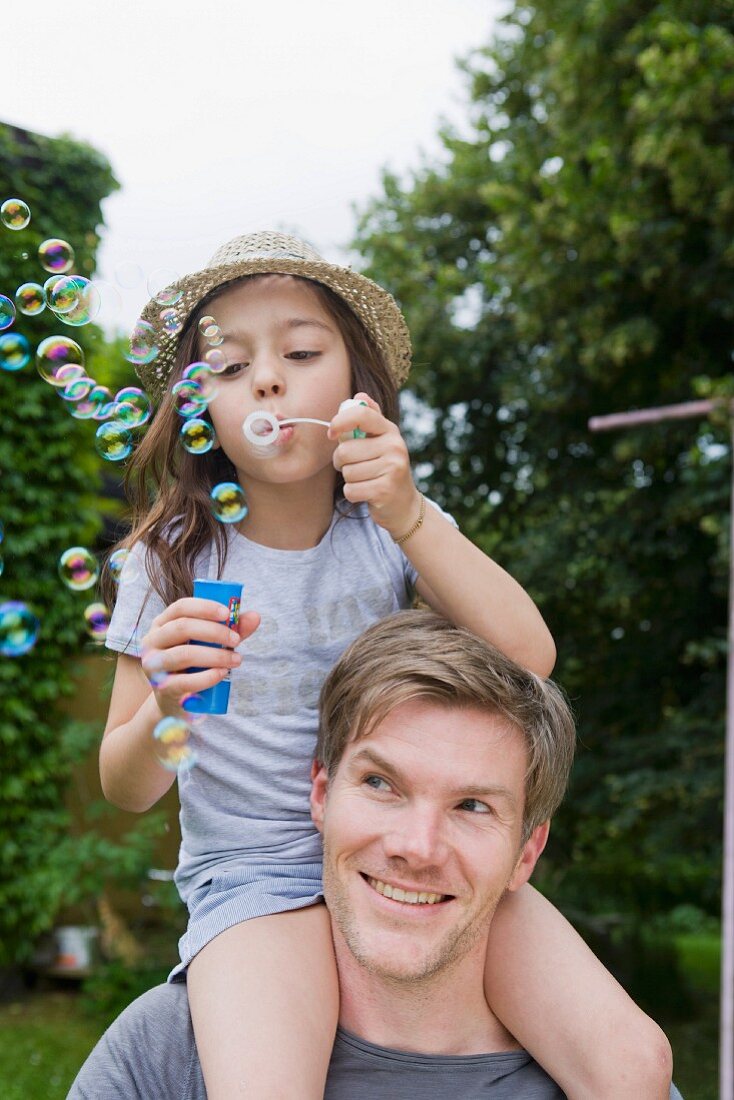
{"points": [[260, 438]]}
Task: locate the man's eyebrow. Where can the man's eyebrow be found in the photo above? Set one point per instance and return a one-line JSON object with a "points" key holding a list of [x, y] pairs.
{"points": [[290, 323], [471, 790]]}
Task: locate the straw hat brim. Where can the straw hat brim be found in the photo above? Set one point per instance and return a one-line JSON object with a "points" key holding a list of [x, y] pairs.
{"points": [[376, 308]]}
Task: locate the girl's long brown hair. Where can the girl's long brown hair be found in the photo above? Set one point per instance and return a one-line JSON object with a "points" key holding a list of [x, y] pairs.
{"points": [[169, 488]]}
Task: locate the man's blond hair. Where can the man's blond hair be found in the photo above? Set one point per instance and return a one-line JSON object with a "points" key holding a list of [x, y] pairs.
{"points": [[419, 655]]}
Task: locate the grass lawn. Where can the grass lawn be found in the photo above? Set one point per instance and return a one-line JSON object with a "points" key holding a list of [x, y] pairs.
{"points": [[44, 1038], [46, 1035]]}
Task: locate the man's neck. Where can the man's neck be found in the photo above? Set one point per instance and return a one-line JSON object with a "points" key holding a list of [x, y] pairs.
{"points": [[446, 1014]]}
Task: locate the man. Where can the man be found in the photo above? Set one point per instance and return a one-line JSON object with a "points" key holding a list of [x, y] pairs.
{"points": [[439, 766]]}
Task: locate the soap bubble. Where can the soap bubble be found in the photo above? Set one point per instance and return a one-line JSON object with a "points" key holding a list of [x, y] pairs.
{"points": [[197, 436], [216, 360], [122, 566], [30, 299], [215, 336], [75, 300], [228, 502], [56, 256], [15, 214], [113, 441], [201, 373], [7, 312], [133, 407], [143, 347], [2, 565], [161, 289], [2, 530], [188, 398], [77, 389], [172, 323], [53, 354], [173, 747], [78, 568], [207, 324], [15, 351], [50, 284], [97, 621], [129, 275], [19, 629]]}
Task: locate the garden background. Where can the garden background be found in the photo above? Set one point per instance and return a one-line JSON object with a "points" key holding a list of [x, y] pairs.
{"points": [[570, 253]]}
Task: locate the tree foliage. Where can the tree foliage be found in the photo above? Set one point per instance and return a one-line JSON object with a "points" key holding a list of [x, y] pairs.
{"points": [[571, 254]]}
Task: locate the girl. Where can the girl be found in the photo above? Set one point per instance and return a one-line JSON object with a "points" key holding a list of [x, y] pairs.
{"points": [[336, 536]]}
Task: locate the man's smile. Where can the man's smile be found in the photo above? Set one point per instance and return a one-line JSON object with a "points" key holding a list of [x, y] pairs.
{"points": [[405, 895]]}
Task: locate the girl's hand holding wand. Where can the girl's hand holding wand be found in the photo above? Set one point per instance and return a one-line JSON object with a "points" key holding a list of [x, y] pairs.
{"points": [[376, 470]]}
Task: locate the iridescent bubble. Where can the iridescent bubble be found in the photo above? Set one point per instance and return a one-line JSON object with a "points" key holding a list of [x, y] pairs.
{"points": [[7, 312], [97, 621], [228, 502], [48, 286], [215, 336], [15, 351], [15, 214], [143, 347], [156, 673], [75, 300], [161, 289], [133, 407], [77, 389], [53, 354], [197, 436], [207, 324], [2, 530], [30, 299], [172, 323], [188, 398], [129, 275], [216, 360], [78, 568], [172, 737], [19, 629], [113, 441], [123, 567], [56, 256], [201, 373], [2, 565]]}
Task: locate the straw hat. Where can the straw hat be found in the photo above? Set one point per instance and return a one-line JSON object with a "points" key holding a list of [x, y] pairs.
{"points": [[264, 253]]}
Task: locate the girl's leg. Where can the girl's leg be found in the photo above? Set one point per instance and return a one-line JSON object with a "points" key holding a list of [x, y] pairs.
{"points": [[567, 1010], [264, 1005]]}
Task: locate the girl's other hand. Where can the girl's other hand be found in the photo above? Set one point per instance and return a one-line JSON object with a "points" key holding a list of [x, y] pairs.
{"points": [[168, 651], [376, 469]]}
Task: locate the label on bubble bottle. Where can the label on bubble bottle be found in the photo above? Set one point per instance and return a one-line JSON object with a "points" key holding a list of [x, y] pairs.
{"points": [[215, 700]]}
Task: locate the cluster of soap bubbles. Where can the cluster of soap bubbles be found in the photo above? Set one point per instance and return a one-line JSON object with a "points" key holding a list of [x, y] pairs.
{"points": [[79, 571]]}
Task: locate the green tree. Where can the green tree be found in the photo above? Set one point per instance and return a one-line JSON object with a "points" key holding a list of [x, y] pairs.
{"points": [[569, 255], [49, 500]]}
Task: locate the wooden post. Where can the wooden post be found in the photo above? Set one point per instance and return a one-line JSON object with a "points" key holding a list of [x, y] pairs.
{"points": [[726, 997]]}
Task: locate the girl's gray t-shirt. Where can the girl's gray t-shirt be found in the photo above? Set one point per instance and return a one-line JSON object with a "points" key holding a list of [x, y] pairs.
{"points": [[246, 799]]}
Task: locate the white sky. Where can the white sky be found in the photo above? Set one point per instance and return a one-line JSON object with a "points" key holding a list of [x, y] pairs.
{"points": [[221, 118]]}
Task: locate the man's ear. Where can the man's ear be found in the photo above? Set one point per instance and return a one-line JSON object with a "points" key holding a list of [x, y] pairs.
{"points": [[529, 856], [319, 784]]}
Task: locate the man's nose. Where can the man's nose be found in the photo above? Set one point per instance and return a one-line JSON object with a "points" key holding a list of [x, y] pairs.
{"points": [[418, 837]]}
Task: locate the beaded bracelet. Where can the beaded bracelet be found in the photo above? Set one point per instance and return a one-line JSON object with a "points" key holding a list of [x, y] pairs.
{"points": [[416, 526]]}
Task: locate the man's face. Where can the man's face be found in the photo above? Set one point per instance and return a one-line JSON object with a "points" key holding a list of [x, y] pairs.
{"points": [[421, 826]]}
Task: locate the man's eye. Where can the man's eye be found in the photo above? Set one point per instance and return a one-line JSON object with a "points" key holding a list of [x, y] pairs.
{"points": [[377, 783], [474, 806]]}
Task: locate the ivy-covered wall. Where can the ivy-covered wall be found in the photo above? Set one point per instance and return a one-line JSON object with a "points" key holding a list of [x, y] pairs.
{"points": [[50, 482]]}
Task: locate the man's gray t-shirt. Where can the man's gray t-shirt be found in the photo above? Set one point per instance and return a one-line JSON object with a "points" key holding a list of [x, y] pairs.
{"points": [[149, 1053], [247, 799]]}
